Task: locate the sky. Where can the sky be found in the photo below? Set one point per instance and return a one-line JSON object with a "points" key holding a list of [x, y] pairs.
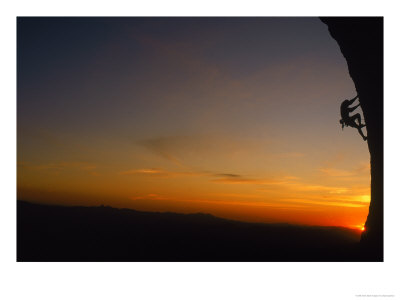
{"points": [[237, 117]]}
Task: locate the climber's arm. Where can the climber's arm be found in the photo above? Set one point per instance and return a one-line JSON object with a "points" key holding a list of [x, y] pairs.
{"points": [[352, 100], [353, 108]]}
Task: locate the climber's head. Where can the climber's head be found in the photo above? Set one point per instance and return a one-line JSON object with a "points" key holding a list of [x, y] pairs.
{"points": [[346, 103]]}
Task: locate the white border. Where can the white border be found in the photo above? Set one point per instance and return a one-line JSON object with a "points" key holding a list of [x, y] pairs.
{"points": [[196, 280]]}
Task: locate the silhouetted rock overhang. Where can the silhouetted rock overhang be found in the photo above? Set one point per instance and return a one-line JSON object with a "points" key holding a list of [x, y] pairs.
{"points": [[361, 42]]}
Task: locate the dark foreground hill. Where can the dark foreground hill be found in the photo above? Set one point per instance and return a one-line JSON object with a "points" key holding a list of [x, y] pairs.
{"points": [[59, 233]]}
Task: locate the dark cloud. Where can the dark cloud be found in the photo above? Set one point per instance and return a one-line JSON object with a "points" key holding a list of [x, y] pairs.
{"points": [[162, 146], [227, 175]]}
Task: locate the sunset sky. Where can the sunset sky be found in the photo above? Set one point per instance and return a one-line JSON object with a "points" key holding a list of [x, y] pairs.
{"points": [[237, 117]]}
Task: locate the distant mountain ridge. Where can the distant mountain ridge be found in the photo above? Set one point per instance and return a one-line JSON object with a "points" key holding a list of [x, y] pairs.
{"points": [[103, 233], [174, 214]]}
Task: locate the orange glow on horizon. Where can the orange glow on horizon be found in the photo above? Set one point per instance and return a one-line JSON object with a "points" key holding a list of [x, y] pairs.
{"points": [[358, 227], [269, 201]]}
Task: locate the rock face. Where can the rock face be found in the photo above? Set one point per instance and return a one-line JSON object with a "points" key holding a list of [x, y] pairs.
{"points": [[361, 42]]}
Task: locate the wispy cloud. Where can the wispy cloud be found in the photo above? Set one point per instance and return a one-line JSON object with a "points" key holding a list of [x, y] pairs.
{"points": [[228, 175], [228, 178], [318, 188], [239, 180], [306, 194], [231, 178], [352, 173], [162, 146], [183, 149], [225, 178], [151, 172], [336, 172], [335, 167], [327, 202], [157, 172]]}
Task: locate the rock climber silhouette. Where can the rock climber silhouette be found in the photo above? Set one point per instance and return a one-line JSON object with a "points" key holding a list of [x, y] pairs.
{"points": [[348, 120]]}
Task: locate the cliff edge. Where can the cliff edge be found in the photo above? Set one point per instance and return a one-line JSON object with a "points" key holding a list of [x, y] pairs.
{"points": [[361, 42]]}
